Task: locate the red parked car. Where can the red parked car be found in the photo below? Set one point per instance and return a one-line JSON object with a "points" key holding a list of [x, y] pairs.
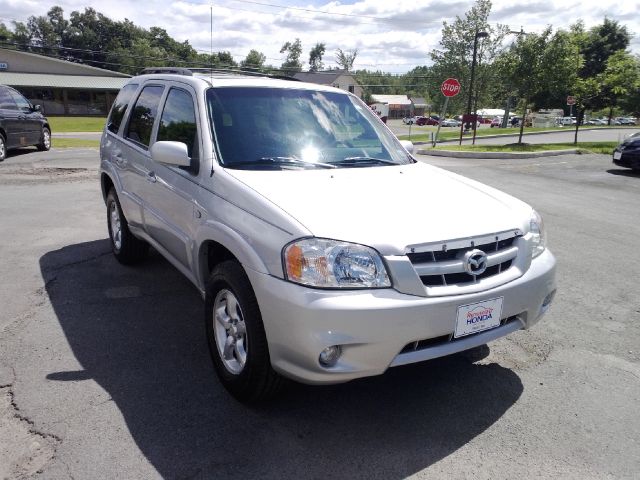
{"points": [[426, 121]]}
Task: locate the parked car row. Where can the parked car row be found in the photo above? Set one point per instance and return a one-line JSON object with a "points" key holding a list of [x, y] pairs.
{"points": [[431, 120]]}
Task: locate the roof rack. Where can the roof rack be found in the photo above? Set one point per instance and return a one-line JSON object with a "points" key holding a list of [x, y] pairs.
{"points": [[189, 72], [167, 70]]}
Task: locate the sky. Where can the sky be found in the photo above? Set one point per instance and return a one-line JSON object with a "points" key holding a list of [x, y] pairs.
{"points": [[390, 35]]}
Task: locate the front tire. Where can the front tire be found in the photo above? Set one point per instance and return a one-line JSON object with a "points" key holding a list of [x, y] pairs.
{"points": [[236, 337], [127, 249], [45, 140]]}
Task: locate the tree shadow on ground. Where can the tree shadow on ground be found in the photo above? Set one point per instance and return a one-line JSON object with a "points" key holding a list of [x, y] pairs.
{"points": [[139, 333]]}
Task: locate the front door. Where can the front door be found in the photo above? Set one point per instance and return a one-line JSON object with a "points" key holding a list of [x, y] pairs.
{"points": [[168, 195]]}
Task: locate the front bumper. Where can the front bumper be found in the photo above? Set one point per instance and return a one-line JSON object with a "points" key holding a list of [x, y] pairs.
{"points": [[628, 159], [373, 326]]}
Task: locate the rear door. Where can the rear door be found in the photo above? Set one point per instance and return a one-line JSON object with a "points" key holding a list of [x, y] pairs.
{"points": [[113, 149], [30, 122]]}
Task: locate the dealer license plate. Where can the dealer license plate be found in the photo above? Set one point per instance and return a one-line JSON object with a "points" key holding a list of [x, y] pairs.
{"points": [[617, 155], [477, 317]]}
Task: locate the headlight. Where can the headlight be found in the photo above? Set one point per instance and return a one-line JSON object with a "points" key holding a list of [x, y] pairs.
{"points": [[323, 263], [538, 237]]}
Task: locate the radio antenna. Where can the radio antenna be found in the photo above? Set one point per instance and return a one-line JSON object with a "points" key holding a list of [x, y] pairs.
{"points": [[211, 40]]}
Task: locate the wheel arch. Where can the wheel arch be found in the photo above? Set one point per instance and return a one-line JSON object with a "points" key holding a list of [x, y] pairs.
{"points": [[106, 184], [218, 243]]}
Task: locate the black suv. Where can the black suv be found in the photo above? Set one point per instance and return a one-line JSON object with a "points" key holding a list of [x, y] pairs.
{"points": [[21, 124]]}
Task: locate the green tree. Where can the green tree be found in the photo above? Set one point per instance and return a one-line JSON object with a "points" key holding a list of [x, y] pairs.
{"points": [[315, 57], [537, 64], [5, 33], [629, 101], [254, 60], [346, 58], [454, 56], [621, 78], [292, 63]]}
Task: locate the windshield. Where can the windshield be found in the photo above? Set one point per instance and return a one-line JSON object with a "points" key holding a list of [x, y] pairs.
{"points": [[277, 128]]}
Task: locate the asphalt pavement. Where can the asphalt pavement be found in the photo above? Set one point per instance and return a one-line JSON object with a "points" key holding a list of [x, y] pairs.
{"points": [[105, 373]]}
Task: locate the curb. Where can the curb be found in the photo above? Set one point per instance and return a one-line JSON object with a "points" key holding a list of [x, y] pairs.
{"points": [[460, 154]]}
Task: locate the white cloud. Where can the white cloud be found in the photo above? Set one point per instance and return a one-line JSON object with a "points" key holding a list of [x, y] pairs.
{"points": [[397, 38]]}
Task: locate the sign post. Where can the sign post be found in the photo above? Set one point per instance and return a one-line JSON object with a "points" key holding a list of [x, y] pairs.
{"points": [[449, 88], [571, 101]]}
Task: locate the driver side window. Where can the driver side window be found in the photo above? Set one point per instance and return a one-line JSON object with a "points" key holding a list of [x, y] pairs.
{"points": [[178, 124]]}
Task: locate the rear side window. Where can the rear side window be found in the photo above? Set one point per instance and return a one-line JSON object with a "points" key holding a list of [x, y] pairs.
{"points": [[6, 100], [178, 121], [144, 114], [22, 103], [119, 107]]}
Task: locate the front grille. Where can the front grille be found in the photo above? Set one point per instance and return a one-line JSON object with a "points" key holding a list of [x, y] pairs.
{"points": [[445, 267], [436, 341]]}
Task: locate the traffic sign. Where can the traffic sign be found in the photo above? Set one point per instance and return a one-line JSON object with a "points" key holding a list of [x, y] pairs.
{"points": [[571, 100], [450, 87]]}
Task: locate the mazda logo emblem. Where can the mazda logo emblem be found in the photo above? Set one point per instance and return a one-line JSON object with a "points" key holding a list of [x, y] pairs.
{"points": [[475, 262]]}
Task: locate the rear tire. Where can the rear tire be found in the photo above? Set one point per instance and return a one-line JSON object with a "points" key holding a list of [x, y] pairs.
{"points": [[127, 249], [236, 337], [3, 148], [45, 140]]}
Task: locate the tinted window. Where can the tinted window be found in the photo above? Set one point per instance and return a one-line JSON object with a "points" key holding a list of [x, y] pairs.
{"points": [[178, 121], [119, 107], [22, 103], [144, 114], [6, 101]]}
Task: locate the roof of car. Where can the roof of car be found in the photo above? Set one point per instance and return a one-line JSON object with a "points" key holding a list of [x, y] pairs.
{"points": [[232, 79]]}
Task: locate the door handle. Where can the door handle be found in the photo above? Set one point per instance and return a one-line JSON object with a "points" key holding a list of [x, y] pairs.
{"points": [[117, 157], [151, 177]]}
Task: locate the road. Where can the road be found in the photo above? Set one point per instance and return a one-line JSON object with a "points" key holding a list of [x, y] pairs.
{"points": [[104, 369]]}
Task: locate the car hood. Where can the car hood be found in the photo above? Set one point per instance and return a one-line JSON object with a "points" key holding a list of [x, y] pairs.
{"points": [[388, 207]]}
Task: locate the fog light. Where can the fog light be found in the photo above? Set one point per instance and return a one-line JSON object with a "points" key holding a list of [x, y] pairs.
{"points": [[547, 301], [330, 355]]}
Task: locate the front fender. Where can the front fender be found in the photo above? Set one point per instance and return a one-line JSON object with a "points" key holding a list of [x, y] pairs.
{"points": [[212, 230]]}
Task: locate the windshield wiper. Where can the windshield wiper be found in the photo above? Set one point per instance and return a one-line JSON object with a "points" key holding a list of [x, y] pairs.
{"points": [[278, 161], [351, 161]]}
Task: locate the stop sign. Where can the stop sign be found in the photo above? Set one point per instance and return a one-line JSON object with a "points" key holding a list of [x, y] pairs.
{"points": [[450, 87]]}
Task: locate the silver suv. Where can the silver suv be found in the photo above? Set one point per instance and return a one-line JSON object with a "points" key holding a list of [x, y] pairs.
{"points": [[323, 250]]}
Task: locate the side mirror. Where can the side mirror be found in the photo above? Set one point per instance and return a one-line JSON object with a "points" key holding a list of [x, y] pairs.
{"points": [[407, 145], [37, 108], [171, 153]]}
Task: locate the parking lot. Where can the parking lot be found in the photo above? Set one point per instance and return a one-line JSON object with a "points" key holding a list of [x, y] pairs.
{"points": [[105, 373]]}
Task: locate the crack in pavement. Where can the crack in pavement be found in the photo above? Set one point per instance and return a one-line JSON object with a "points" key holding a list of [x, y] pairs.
{"points": [[24, 449]]}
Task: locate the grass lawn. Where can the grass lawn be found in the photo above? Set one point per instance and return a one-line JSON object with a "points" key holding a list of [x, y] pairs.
{"points": [[76, 124], [73, 143], [586, 147]]}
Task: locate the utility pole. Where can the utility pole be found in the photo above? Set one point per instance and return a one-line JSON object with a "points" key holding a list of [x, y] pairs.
{"points": [[473, 70]]}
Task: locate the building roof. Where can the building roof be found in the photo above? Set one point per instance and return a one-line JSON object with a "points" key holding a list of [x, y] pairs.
{"points": [[392, 99], [25, 62], [419, 102], [322, 78], [61, 81]]}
